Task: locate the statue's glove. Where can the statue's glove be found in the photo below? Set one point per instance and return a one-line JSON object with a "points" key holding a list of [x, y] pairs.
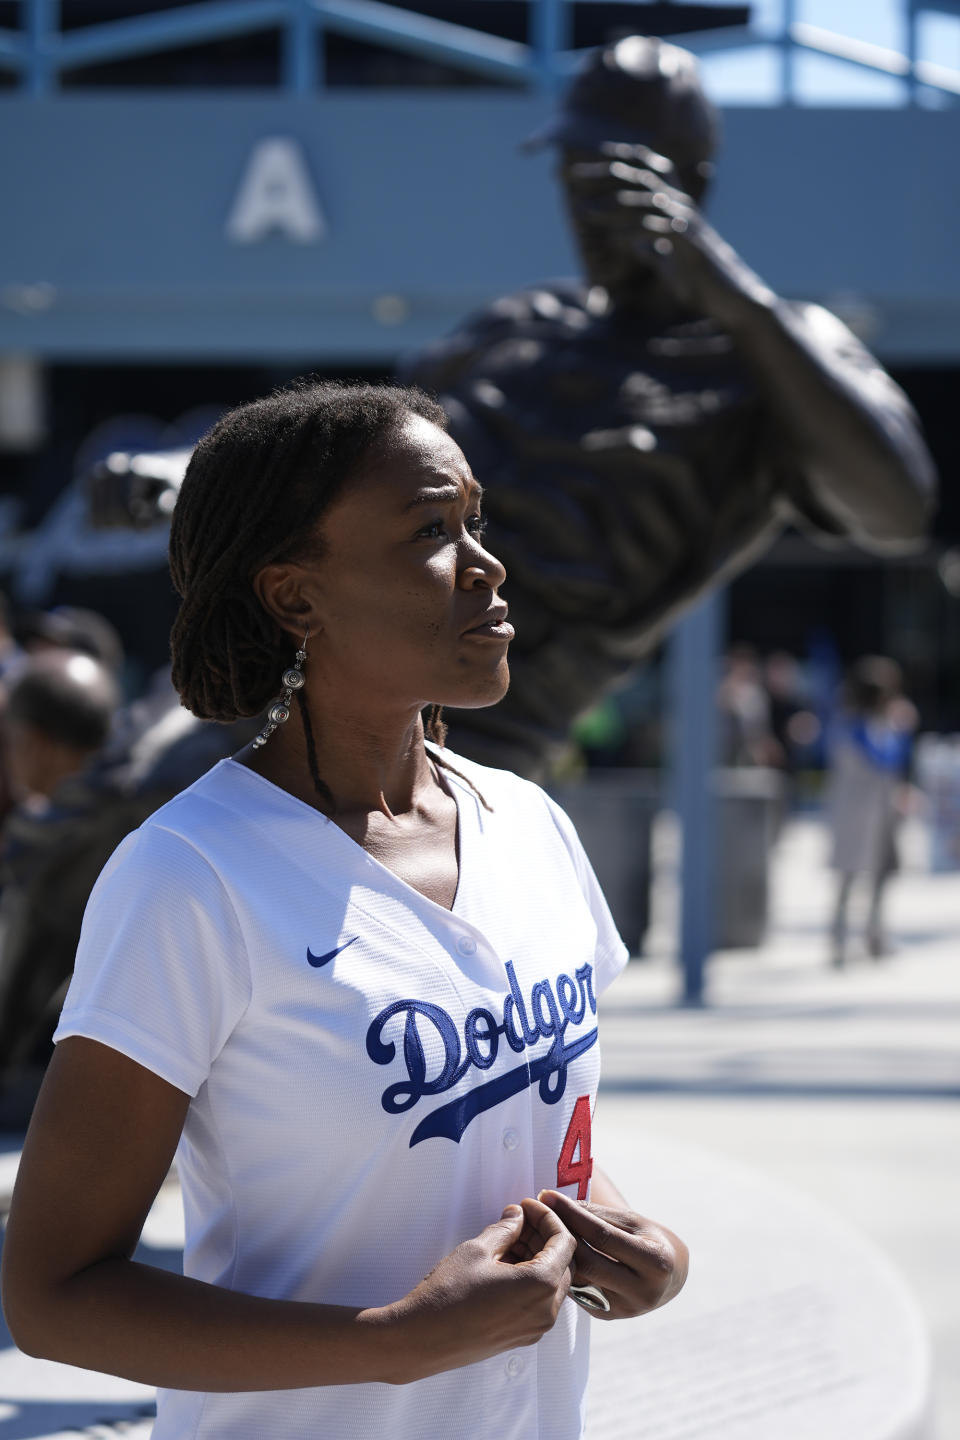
{"points": [[133, 491]]}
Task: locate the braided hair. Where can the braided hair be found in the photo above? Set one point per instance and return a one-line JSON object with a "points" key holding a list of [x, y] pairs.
{"points": [[256, 487]]}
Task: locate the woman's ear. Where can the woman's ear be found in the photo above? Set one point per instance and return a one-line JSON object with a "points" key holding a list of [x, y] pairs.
{"points": [[285, 592]]}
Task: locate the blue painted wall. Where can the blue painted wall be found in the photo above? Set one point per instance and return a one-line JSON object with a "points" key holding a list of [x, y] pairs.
{"points": [[112, 241]]}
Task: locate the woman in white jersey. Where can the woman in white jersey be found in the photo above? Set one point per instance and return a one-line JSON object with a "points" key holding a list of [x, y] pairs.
{"points": [[353, 979]]}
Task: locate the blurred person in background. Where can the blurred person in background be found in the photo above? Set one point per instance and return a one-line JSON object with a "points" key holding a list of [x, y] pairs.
{"points": [[869, 758], [794, 727], [71, 628], [9, 654], [745, 734], [793, 720], [9, 649], [6, 788], [60, 706], [54, 848]]}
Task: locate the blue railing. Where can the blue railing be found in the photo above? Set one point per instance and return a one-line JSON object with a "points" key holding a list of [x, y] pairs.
{"points": [[40, 51]]}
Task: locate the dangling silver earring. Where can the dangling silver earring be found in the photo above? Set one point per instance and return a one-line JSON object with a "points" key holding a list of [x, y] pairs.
{"points": [[279, 712]]}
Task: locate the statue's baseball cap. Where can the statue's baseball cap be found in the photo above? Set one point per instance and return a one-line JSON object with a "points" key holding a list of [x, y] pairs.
{"points": [[638, 91]]}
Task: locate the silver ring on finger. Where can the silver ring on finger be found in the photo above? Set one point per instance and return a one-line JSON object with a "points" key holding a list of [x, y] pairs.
{"points": [[590, 1297]]}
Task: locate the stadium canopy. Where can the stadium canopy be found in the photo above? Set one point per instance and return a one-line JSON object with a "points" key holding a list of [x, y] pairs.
{"points": [[232, 180]]}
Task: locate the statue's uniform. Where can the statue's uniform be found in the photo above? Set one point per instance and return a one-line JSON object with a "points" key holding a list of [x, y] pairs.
{"points": [[373, 1077], [627, 466]]}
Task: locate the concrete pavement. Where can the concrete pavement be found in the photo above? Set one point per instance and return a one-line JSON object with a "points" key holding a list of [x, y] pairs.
{"points": [[843, 1084]]}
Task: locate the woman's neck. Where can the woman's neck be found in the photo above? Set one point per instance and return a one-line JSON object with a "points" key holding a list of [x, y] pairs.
{"points": [[366, 766]]}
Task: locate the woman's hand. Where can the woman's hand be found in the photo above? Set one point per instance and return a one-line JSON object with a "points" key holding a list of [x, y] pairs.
{"points": [[638, 1264], [100, 1143], [484, 1297]]}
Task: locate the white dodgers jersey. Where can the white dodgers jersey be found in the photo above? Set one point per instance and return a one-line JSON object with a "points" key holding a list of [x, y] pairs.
{"points": [[373, 1077]]}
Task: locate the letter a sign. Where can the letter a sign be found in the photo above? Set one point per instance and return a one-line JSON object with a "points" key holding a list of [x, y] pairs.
{"points": [[276, 194]]}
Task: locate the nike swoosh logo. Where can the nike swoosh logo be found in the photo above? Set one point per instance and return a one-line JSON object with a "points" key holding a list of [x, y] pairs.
{"points": [[317, 960]]}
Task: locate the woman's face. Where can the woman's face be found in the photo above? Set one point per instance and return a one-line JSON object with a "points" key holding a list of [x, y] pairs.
{"points": [[406, 596]]}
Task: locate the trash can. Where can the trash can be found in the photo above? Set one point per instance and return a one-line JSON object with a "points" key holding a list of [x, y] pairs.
{"points": [[613, 811], [748, 805], [938, 775]]}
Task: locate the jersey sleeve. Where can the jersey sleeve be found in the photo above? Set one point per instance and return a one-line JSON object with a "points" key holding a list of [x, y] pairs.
{"points": [[161, 972], [612, 954]]}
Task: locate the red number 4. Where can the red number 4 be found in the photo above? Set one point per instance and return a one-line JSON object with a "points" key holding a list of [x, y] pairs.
{"points": [[574, 1168]]}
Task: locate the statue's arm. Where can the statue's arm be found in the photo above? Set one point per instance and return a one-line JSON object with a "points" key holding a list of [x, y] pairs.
{"points": [[849, 441], [844, 435]]}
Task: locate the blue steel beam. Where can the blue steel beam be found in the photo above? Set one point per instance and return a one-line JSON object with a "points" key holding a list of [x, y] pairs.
{"points": [[421, 35], [875, 57], [43, 22], [44, 49], [569, 60], [549, 36], [707, 42], [300, 35], [190, 25], [694, 649], [799, 36], [788, 54]]}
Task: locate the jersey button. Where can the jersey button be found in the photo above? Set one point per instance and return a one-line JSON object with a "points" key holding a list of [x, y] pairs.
{"points": [[511, 1139], [467, 945], [514, 1366]]}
